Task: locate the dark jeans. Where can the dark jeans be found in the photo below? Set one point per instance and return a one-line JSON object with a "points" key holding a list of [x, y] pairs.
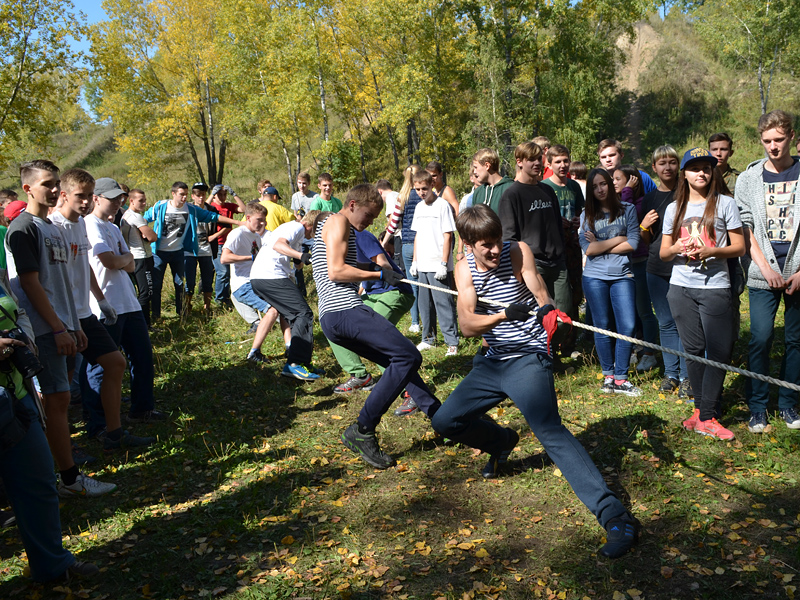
{"points": [[528, 381], [130, 332], [674, 366], [644, 306], [206, 264], [617, 297], [371, 336], [143, 280], [703, 317], [176, 264], [764, 305], [288, 301]]}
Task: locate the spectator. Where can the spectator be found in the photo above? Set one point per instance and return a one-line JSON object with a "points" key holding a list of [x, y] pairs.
{"points": [[138, 236]]}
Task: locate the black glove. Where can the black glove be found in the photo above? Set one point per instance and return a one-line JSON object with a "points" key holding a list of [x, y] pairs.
{"points": [[392, 277], [543, 311], [518, 312], [306, 258]]}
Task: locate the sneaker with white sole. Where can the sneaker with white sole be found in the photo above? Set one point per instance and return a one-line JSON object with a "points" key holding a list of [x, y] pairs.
{"points": [[627, 388], [424, 346], [354, 384], [299, 372], [647, 362], [408, 407], [608, 386], [413, 328], [791, 418], [757, 422], [713, 429], [451, 351], [84, 486]]}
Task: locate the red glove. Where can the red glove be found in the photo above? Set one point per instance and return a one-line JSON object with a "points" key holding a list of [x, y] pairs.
{"points": [[548, 317]]}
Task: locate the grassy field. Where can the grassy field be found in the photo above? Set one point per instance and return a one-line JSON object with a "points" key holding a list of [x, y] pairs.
{"points": [[249, 494]]}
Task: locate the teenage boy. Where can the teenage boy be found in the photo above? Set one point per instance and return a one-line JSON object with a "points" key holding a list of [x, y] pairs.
{"points": [[277, 215], [432, 263], [77, 199], [486, 166], [325, 201], [207, 235], [517, 366], [270, 279], [609, 151], [240, 251], [665, 165], [37, 269], [347, 321], [7, 196], [544, 143], [440, 188], [303, 197], [139, 235], [767, 195], [720, 145], [112, 264], [219, 201], [175, 225]]}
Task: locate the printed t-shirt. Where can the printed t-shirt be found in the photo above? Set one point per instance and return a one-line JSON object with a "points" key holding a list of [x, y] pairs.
{"points": [[780, 194], [570, 197], [174, 228], [77, 261], [301, 200], [243, 242]]}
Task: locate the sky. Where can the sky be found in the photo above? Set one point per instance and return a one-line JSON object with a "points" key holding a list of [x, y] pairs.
{"points": [[94, 12]]}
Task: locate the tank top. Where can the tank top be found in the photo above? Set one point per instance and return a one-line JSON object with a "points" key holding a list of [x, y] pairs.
{"points": [[509, 339], [333, 296]]}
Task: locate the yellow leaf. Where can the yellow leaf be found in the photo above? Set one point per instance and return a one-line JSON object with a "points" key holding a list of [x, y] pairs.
{"points": [[482, 553], [466, 546], [287, 541], [634, 592], [619, 596], [557, 472]]}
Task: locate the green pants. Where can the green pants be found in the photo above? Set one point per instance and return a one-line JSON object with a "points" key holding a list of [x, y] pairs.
{"points": [[392, 305]]}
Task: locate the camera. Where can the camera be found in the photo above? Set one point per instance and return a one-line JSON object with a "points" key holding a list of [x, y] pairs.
{"points": [[22, 358]]}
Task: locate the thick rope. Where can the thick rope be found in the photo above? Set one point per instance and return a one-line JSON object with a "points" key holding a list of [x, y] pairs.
{"points": [[632, 340]]}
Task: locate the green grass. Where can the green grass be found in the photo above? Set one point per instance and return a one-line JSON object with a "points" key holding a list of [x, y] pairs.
{"points": [[249, 494]]}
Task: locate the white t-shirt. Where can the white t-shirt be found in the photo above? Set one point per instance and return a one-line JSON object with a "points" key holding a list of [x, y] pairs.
{"points": [[115, 283], [174, 228], [391, 202], [431, 222], [270, 264], [74, 234], [242, 241], [129, 226]]}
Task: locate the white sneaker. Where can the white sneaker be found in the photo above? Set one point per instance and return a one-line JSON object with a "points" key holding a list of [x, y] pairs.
{"points": [[84, 486], [424, 346], [647, 362], [451, 351], [413, 328]]}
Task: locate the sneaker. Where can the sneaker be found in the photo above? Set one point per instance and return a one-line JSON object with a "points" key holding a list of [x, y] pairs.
{"points": [[413, 328], [451, 351], [80, 457], [690, 423], [627, 388], [299, 372], [424, 346], [647, 362], [126, 441], [408, 407], [315, 370], [685, 390], [790, 416], [669, 385], [757, 422], [147, 416], [622, 533], [252, 329], [713, 428], [80, 569], [608, 386], [255, 357], [7, 518], [84, 486], [366, 445], [497, 462], [355, 383]]}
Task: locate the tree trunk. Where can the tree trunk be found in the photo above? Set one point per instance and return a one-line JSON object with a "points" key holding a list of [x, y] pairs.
{"points": [[409, 144], [321, 85], [194, 156], [212, 167], [223, 146], [288, 164], [20, 71], [297, 146]]}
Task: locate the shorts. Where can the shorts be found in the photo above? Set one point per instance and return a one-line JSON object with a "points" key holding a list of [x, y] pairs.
{"points": [[54, 378], [246, 295], [100, 342]]}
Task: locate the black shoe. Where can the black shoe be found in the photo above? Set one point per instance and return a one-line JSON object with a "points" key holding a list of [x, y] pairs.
{"points": [[669, 385], [252, 329], [81, 457], [622, 533], [126, 440], [79, 569], [366, 445], [408, 407], [147, 416], [497, 462], [685, 390], [255, 357], [7, 519]]}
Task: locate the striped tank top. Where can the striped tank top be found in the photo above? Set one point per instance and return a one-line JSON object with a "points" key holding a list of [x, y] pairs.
{"points": [[509, 339], [332, 296]]}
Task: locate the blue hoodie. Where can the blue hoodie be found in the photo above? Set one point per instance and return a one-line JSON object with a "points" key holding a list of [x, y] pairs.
{"points": [[158, 214]]}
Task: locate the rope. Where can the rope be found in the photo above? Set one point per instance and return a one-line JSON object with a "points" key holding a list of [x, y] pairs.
{"points": [[632, 340]]}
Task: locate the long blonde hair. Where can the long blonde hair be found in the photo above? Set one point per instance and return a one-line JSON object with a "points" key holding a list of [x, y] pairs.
{"points": [[408, 184]]}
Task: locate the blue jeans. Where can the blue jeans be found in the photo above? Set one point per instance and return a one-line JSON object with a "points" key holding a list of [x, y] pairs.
{"points": [[763, 306], [441, 305], [176, 263], [30, 484], [130, 332], [408, 258], [673, 366], [222, 284], [644, 308], [528, 381], [206, 264], [617, 296], [371, 336]]}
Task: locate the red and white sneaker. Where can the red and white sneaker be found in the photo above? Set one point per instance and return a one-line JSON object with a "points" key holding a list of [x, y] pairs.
{"points": [[690, 423], [713, 428]]}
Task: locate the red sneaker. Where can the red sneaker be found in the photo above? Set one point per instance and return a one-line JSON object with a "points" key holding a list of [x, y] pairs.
{"points": [[712, 428], [690, 423]]}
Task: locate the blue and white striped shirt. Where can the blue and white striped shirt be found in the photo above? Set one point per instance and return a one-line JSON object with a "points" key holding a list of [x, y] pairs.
{"points": [[333, 296]]}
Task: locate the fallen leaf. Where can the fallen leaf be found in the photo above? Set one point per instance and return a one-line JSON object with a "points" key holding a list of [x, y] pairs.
{"points": [[287, 541], [666, 572]]}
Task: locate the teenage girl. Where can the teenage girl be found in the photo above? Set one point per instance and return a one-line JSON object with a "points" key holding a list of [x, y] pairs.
{"points": [[608, 234], [703, 229]]}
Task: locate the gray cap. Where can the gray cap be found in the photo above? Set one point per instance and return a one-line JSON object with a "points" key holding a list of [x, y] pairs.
{"points": [[108, 188]]}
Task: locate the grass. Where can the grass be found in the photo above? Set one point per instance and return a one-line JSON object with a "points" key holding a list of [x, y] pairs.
{"points": [[249, 494]]}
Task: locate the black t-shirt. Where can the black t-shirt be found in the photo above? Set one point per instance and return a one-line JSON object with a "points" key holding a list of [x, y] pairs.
{"points": [[531, 214], [658, 201]]}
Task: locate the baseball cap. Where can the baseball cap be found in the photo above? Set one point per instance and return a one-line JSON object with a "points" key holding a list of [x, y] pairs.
{"points": [[14, 209], [271, 190], [108, 188], [200, 186], [698, 154]]}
